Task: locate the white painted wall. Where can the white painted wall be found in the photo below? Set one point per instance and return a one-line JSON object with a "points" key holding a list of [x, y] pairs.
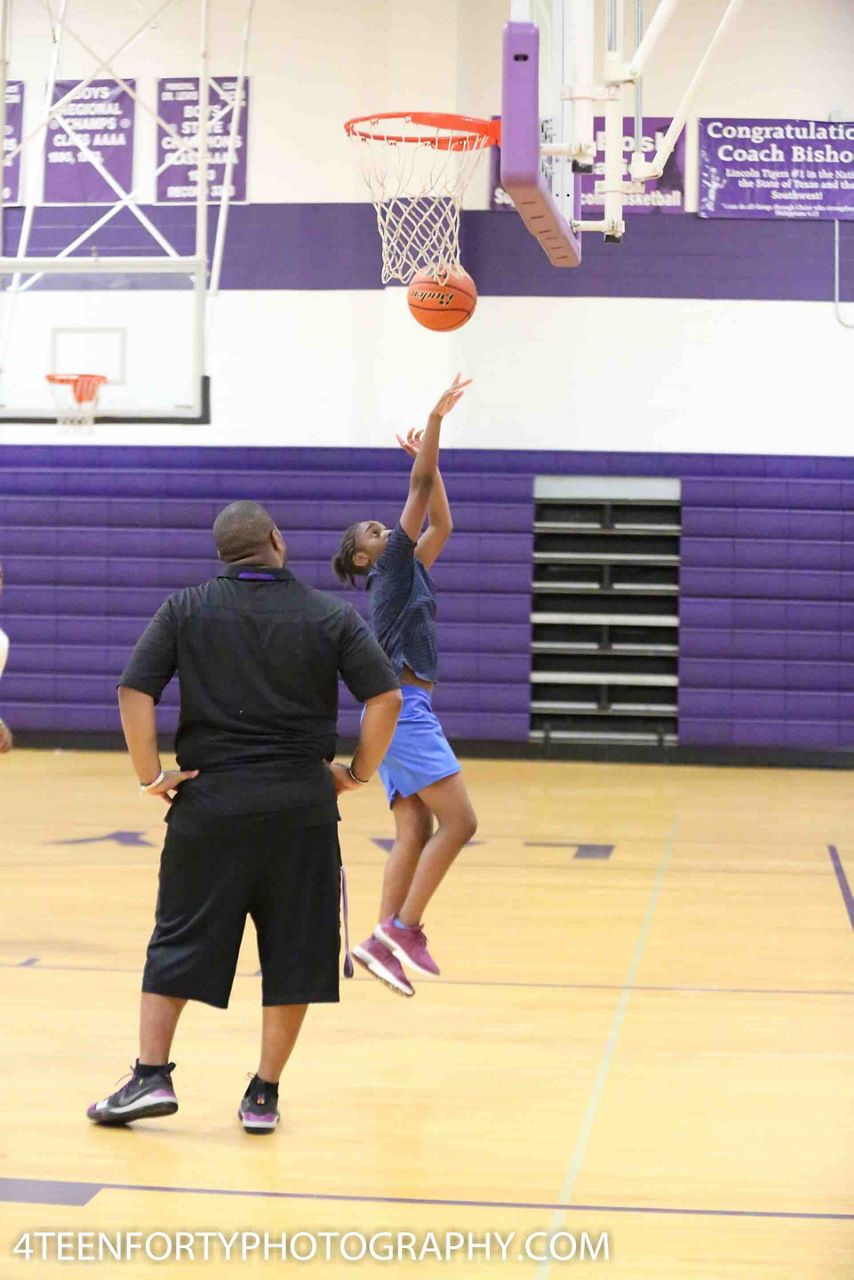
{"points": [[339, 368], [550, 373]]}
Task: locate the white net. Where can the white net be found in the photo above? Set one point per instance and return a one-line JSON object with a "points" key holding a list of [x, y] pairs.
{"points": [[416, 173]]}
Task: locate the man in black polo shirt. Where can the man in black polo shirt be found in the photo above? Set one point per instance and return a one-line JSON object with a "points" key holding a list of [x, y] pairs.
{"points": [[252, 820]]}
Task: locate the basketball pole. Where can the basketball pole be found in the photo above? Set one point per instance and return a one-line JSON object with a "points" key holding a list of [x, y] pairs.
{"points": [[38, 178], [578, 54], [638, 150], [225, 200], [200, 280], [613, 184], [4, 76]]}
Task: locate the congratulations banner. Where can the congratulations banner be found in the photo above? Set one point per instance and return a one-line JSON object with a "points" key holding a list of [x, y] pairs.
{"points": [[100, 119], [178, 105], [14, 129], [776, 169]]}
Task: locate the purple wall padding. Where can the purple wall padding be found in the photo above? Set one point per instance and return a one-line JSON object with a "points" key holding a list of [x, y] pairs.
{"points": [[336, 246], [92, 539], [767, 586]]}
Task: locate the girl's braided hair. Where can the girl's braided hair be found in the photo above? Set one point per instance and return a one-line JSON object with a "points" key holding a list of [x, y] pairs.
{"points": [[343, 565]]}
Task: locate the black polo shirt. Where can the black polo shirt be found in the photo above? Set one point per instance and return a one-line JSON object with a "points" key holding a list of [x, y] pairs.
{"points": [[258, 655]]}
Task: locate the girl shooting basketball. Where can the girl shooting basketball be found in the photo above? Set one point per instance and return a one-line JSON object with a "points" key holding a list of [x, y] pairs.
{"points": [[420, 773]]}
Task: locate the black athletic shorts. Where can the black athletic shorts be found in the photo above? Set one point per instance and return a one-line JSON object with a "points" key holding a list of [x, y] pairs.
{"points": [[282, 873]]}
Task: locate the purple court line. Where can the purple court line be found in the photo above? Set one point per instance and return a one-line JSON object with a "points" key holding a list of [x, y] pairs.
{"points": [[624, 870], [485, 982], [550, 844], [12, 1189], [844, 886]]}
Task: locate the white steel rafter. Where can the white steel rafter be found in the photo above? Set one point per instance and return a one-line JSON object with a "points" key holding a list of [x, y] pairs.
{"points": [[187, 150], [618, 75]]}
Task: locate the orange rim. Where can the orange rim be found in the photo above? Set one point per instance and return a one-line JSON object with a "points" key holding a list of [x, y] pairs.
{"points": [[86, 385], [465, 133]]}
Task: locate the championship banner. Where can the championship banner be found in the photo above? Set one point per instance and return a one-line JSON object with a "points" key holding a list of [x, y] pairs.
{"points": [[662, 195], [101, 118], [178, 105], [776, 169], [14, 132]]}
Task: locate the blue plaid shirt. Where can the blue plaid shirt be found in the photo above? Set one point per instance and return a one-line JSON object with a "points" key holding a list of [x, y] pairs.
{"points": [[403, 608]]}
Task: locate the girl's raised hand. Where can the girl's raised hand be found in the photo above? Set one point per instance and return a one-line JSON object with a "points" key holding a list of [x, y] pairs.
{"points": [[449, 398], [411, 443]]}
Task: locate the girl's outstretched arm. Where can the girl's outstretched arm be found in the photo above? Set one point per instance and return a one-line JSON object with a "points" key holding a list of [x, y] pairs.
{"points": [[440, 524], [426, 467]]}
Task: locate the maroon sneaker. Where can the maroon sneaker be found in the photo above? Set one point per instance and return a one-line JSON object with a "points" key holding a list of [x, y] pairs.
{"points": [[375, 956], [409, 945]]}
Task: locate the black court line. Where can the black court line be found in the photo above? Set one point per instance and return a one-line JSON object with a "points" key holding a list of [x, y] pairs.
{"points": [[37, 1191]]}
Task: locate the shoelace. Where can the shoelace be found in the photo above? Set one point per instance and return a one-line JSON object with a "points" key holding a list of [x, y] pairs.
{"points": [[131, 1074]]}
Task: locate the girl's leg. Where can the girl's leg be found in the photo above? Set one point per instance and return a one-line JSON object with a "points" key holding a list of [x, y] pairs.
{"points": [[449, 803], [413, 828]]}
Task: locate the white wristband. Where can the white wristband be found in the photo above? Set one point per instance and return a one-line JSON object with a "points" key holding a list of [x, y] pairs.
{"points": [[149, 786]]}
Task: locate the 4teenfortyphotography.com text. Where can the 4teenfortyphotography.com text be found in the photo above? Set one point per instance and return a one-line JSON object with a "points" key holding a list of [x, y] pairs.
{"points": [[304, 1247]]}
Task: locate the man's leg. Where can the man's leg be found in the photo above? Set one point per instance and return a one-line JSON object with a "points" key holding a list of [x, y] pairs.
{"points": [[158, 1018], [280, 1028], [149, 1091], [295, 908]]}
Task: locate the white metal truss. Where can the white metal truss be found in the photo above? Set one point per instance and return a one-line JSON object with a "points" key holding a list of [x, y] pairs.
{"points": [[577, 142], [26, 270]]}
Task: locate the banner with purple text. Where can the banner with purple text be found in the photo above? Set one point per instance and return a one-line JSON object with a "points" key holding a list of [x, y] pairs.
{"points": [[97, 124], [178, 105], [776, 169], [14, 129]]}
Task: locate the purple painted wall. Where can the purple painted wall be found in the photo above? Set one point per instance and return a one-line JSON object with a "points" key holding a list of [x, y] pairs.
{"points": [[93, 539], [335, 246]]}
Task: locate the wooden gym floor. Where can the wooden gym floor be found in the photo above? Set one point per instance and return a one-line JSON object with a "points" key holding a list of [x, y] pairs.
{"points": [[644, 1029]]}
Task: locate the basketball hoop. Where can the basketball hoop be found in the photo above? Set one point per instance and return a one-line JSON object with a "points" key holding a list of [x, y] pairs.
{"points": [[78, 403], [417, 166]]}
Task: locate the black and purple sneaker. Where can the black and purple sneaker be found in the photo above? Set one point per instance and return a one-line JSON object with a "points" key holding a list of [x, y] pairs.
{"points": [[140, 1099], [259, 1107]]}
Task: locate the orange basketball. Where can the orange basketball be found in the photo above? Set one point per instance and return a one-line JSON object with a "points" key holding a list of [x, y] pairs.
{"points": [[442, 306]]}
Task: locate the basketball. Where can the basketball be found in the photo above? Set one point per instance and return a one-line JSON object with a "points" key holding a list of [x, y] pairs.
{"points": [[442, 306]]}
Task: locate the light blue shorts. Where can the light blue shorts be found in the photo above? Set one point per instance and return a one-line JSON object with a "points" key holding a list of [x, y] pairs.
{"points": [[419, 754]]}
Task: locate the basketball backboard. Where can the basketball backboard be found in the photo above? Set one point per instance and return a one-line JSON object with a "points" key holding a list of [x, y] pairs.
{"points": [[109, 283], [536, 119], [142, 330]]}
